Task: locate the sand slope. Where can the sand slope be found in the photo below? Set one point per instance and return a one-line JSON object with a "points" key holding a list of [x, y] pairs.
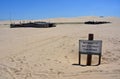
{"points": [[49, 53]]}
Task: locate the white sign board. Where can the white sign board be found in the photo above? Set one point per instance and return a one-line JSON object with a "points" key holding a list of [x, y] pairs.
{"points": [[90, 46]]}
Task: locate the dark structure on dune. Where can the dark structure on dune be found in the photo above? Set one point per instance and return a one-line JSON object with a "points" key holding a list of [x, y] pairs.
{"points": [[96, 22], [33, 25]]}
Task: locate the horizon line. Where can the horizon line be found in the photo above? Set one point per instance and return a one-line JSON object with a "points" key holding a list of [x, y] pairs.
{"points": [[56, 17]]}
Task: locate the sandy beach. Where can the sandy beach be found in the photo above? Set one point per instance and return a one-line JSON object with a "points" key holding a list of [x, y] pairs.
{"points": [[49, 53]]}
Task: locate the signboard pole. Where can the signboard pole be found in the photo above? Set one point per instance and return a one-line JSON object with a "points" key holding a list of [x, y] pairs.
{"points": [[89, 56], [99, 59], [79, 58]]}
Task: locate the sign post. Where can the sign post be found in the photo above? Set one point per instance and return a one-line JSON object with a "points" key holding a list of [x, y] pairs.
{"points": [[89, 56], [90, 47]]}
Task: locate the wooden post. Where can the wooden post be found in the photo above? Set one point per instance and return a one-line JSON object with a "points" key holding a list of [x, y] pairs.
{"points": [[99, 59], [79, 58], [89, 56]]}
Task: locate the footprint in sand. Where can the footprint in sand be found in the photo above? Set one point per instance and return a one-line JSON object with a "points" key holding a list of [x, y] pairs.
{"points": [[5, 72], [66, 57], [57, 61]]}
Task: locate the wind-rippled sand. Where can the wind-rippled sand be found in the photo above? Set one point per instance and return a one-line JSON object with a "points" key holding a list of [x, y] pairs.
{"points": [[49, 53]]}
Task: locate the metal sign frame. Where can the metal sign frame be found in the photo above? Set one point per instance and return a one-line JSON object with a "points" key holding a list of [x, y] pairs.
{"points": [[90, 47]]}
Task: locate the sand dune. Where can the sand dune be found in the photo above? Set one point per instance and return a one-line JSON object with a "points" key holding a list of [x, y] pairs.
{"points": [[49, 53]]}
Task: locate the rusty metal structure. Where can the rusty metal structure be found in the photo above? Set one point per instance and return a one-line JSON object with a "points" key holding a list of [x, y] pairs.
{"points": [[33, 25], [97, 22]]}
